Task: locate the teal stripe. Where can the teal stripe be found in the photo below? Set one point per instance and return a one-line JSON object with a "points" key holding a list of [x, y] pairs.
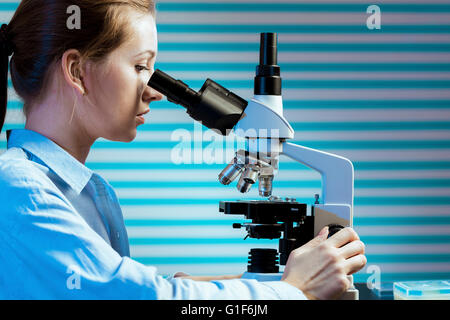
{"points": [[334, 84], [387, 201], [347, 145], [358, 28], [321, 104], [304, 126], [397, 221], [190, 260], [382, 183], [393, 277], [300, 7], [306, 66], [406, 258], [198, 241], [406, 239], [368, 240], [306, 47], [358, 221], [366, 104], [9, 6], [381, 165]]}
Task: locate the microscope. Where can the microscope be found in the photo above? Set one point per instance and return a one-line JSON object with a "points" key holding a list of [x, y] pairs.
{"points": [[261, 123]]}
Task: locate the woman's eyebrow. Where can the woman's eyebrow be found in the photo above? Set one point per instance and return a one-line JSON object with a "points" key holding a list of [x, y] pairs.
{"points": [[151, 52]]}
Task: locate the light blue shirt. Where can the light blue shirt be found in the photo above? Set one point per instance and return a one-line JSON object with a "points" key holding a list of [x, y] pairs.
{"points": [[62, 236]]}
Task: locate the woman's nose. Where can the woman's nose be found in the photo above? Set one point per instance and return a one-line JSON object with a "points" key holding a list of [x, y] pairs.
{"points": [[151, 95]]}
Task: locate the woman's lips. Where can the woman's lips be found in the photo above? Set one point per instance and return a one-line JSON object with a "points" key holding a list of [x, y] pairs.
{"points": [[140, 117]]}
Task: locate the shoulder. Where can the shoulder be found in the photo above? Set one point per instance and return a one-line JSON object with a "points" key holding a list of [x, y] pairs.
{"points": [[17, 170]]}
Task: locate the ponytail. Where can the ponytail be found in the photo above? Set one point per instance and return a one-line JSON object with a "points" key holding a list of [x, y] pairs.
{"points": [[5, 52]]}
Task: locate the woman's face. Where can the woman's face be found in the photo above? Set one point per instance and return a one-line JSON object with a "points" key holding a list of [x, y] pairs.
{"points": [[121, 91]]}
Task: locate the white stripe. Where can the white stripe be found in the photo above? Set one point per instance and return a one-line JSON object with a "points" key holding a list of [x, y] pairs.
{"points": [[209, 192], [209, 212], [220, 76], [402, 230], [197, 250], [179, 116], [356, 135], [401, 192], [231, 191], [239, 250], [208, 232], [164, 155], [409, 249], [406, 174], [325, 2], [401, 211], [225, 231], [203, 269], [168, 212], [304, 37], [296, 18]]}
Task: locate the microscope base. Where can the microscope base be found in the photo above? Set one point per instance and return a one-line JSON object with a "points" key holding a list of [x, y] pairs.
{"points": [[351, 294]]}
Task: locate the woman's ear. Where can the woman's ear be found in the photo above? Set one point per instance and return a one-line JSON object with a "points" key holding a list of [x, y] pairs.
{"points": [[71, 64]]}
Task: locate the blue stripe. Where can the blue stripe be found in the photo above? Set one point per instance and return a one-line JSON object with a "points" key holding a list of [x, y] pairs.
{"points": [[358, 221], [299, 7], [243, 259], [306, 47], [9, 6], [305, 66], [322, 104], [387, 201], [323, 145]]}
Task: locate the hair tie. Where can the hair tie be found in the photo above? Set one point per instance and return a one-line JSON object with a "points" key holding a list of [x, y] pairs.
{"points": [[4, 40]]}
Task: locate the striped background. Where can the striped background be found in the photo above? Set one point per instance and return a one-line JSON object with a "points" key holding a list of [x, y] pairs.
{"points": [[378, 97]]}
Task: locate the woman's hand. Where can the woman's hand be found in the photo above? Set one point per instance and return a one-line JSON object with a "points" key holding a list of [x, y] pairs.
{"points": [[320, 267]]}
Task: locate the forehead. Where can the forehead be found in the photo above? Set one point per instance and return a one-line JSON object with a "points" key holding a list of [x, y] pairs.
{"points": [[143, 35]]}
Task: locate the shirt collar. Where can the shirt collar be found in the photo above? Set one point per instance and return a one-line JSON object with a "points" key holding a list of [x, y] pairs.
{"points": [[73, 172]]}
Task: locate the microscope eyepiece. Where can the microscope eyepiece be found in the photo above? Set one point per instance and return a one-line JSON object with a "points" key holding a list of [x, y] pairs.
{"points": [[214, 106], [268, 80]]}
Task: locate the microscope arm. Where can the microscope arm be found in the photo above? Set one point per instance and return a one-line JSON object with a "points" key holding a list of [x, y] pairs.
{"points": [[337, 179]]}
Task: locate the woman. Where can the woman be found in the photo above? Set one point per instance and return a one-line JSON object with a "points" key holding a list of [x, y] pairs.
{"points": [[62, 234]]}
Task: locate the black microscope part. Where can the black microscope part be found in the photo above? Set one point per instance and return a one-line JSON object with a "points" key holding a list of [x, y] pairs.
{"points": [[333, 229], [263, 261], [268, 80], [214, 106], [283, 220]]}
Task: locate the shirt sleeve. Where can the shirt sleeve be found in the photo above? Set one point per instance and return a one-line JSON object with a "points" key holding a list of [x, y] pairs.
{"points": [[50, 252]]}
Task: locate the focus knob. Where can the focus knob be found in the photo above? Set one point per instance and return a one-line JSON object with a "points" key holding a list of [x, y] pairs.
{"points": [[334, 228]]}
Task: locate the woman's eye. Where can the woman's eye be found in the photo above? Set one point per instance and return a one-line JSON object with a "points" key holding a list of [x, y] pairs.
{"points": [[141, 68]]}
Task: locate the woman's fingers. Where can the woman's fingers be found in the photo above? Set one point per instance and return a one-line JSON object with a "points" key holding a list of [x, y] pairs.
{"points": [[343, 237], [355, 263], [352, 249]]}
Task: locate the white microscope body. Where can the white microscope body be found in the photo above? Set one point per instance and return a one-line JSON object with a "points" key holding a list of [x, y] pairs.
{"points": [[266, 132]]}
